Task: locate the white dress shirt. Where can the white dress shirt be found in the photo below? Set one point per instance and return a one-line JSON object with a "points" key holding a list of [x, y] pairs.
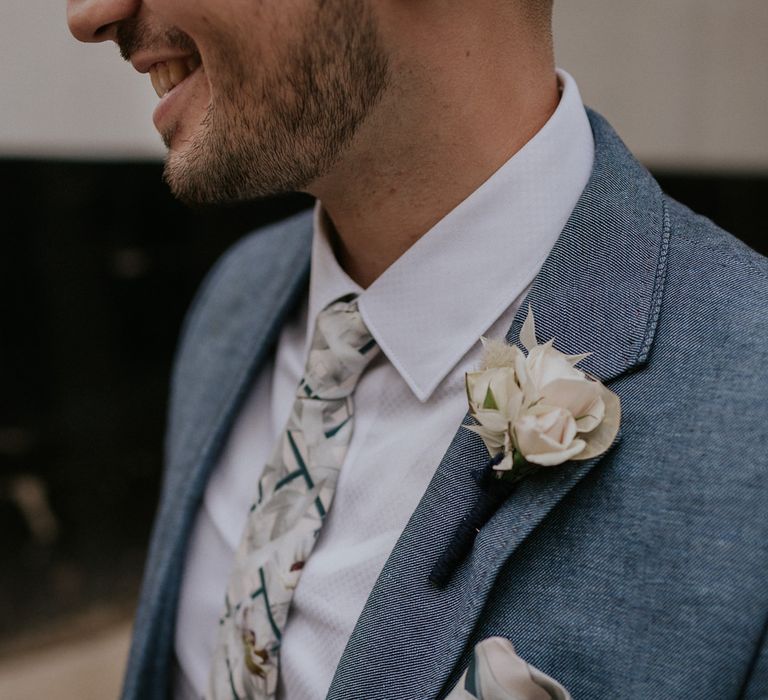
{"points": [[464, 278]]}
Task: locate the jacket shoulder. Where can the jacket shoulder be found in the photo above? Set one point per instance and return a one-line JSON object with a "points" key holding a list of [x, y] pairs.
{"points": [[697, 238], [713, 277], [709, 352]]}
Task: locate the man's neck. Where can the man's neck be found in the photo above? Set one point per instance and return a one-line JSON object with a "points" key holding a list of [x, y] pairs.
{"points": [[435, 138]]}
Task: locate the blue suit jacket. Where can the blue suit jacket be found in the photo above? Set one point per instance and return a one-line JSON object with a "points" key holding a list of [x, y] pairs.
{"points": [[639, 574]]}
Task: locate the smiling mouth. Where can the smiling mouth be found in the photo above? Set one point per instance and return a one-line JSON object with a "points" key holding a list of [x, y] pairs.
{"points": [[166, 75]]}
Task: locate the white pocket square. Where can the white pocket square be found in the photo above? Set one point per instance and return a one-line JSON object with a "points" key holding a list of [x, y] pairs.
{"points": [[496, 672]]}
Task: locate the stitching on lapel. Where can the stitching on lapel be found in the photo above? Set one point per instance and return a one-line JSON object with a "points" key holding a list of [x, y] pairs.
{"points": [[658, 290]]}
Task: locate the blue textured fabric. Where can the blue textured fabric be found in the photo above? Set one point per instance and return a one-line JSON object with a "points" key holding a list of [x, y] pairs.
{"points": [[640, 574]]}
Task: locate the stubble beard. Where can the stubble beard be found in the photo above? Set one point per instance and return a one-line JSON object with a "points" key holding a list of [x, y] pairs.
{"points": [[279, 131]]}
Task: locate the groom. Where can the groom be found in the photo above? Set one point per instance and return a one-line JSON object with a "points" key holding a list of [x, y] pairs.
{"points": [[459, 181]]}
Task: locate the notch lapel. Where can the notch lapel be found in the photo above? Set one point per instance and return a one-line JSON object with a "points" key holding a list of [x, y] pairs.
{"points": [[599, 290], [257, 284]]}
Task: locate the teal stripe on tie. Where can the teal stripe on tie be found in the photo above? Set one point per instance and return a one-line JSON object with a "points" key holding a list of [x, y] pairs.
{"points": [[287, 479], [300, 460], [305, 472], [235, 696], [330, 433], [275, 628], [259, 498]]}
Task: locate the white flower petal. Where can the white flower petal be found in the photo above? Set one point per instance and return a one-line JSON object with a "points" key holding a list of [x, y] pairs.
{"points": [[494, 396], [492, 440], [528, 331], [602, 437], [545, 364], [545, 430], [592, 417], [580, 396], [491, 420], [575, 359], [551, 459], [498, 353]]}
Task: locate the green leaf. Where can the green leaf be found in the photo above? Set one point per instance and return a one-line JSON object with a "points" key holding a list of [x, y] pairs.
{"points": [[521, 468], [489, 402]]}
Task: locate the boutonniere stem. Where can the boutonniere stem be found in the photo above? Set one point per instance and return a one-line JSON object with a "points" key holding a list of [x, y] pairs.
{"points": [[495, 487], [532, 411]]}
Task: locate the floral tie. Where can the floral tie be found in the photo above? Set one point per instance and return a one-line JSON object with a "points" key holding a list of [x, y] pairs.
{"points": [[293, 496]]}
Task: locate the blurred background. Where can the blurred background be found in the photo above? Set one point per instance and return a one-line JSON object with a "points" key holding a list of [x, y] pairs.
{"points": [[99, 263]]}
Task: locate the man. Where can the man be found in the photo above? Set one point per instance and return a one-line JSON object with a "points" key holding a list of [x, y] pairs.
{"points": [[459, 181]]}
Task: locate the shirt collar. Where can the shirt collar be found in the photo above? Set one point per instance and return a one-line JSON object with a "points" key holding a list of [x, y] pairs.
{"points": [[433, 303]]}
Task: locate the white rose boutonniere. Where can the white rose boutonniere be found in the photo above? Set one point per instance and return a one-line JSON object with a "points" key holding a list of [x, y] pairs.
{"points": [[539, 408], [533, 411]]}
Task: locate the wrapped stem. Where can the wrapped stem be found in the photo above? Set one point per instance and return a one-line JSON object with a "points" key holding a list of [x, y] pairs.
{"points": [[496, 488]]}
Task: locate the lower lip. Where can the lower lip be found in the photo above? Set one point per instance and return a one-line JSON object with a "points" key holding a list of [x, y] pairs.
{"points": [[171, 105]]}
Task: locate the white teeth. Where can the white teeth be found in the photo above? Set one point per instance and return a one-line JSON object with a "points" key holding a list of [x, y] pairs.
{"points": [[177, 71], [156, 82], [166, 75]]}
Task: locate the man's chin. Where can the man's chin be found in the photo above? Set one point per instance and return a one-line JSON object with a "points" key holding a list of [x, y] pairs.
{"points": [[199, 182], [187, 191], [184, 183], [208, 169]]}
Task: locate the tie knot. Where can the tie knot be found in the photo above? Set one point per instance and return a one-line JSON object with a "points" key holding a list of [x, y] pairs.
{"points": [[341, 349]]}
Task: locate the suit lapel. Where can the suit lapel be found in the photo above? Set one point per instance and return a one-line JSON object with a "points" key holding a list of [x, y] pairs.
{"points": [[599, 290], [225, 343]]}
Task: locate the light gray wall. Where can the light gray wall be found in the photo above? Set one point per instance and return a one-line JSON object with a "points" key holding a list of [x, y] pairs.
{"points": [[685, 82], [62, 98]]}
